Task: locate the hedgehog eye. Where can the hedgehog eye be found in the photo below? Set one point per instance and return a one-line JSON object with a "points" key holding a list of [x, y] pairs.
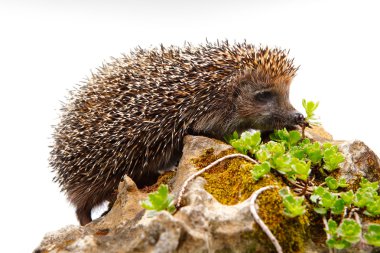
{"points": [[264, 96]]}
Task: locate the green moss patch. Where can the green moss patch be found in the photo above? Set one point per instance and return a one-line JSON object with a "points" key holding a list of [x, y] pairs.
{"points": [[291, 233], [230, 182]]}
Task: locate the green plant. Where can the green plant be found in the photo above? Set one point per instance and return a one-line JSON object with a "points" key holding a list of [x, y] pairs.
{"points": [[343, 236], [331, 157], [333, 184], [295, 157], [373, 208], [373, 235], [310, 118], [348, 197], [367, 197], [313, 151], [247, 143], [349, 231], [290, 138], [287, 153], [159, 200], [293, 205], [327, 201], [259, 170], [310, 108]]}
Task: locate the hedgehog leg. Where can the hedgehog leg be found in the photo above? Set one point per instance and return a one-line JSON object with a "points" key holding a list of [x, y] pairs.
{"points": [[84, 215]]}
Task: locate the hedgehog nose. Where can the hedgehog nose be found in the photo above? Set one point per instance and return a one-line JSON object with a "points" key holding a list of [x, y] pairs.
{"points": [[298, 118]]}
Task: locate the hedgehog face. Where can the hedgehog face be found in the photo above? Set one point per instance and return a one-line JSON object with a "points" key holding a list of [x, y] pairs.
{"points": [[264, 106]]}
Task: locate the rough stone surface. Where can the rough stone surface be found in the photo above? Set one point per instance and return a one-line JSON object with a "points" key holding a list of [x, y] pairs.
{"points": [[201, 225], [360, 162], [318, 133], [193, 148]]}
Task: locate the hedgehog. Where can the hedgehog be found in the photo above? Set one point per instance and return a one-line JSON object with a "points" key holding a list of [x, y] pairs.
{"points": [[131, 115]]}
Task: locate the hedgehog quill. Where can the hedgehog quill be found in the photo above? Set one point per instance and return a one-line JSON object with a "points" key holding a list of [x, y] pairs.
{"points": [[130, 117]]}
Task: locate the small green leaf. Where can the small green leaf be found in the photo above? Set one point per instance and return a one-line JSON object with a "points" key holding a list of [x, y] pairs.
{"points": [[332, 183], [320, 210], [313, 152], [231, 137], [282, 163], [349, 230], [332, 158], [248, 142], [294, 137], [259, 170], [159, 200], [363, 196], [373, 235], [369, 185], [293, 205], [328, 200], [298, 152], [288, 138], [337, 244], [332, 227], [348, 197], [239, 146], [301, 168], [344, 235], [342, 183], [276, 149], [338, 207], [310, 107], [281, 135], [317, 194], [304, 103], [319, 190], [263, 154], [373, 207], [314, 198]]}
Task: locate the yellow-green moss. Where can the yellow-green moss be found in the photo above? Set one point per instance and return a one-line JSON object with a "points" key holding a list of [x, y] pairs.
{"points": [[231, 182], [291, 233]]}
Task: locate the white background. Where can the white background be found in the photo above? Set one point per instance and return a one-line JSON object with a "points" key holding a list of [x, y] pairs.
{"points": [[46, 47]]}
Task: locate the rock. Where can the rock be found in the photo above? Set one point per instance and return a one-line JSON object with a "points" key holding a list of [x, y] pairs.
{"points": [[360, 162], [202, 224], [194, 146], [318, 133]]}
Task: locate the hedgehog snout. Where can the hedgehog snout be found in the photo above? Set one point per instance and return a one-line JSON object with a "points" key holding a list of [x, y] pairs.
{"points": [[298, 118]]}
